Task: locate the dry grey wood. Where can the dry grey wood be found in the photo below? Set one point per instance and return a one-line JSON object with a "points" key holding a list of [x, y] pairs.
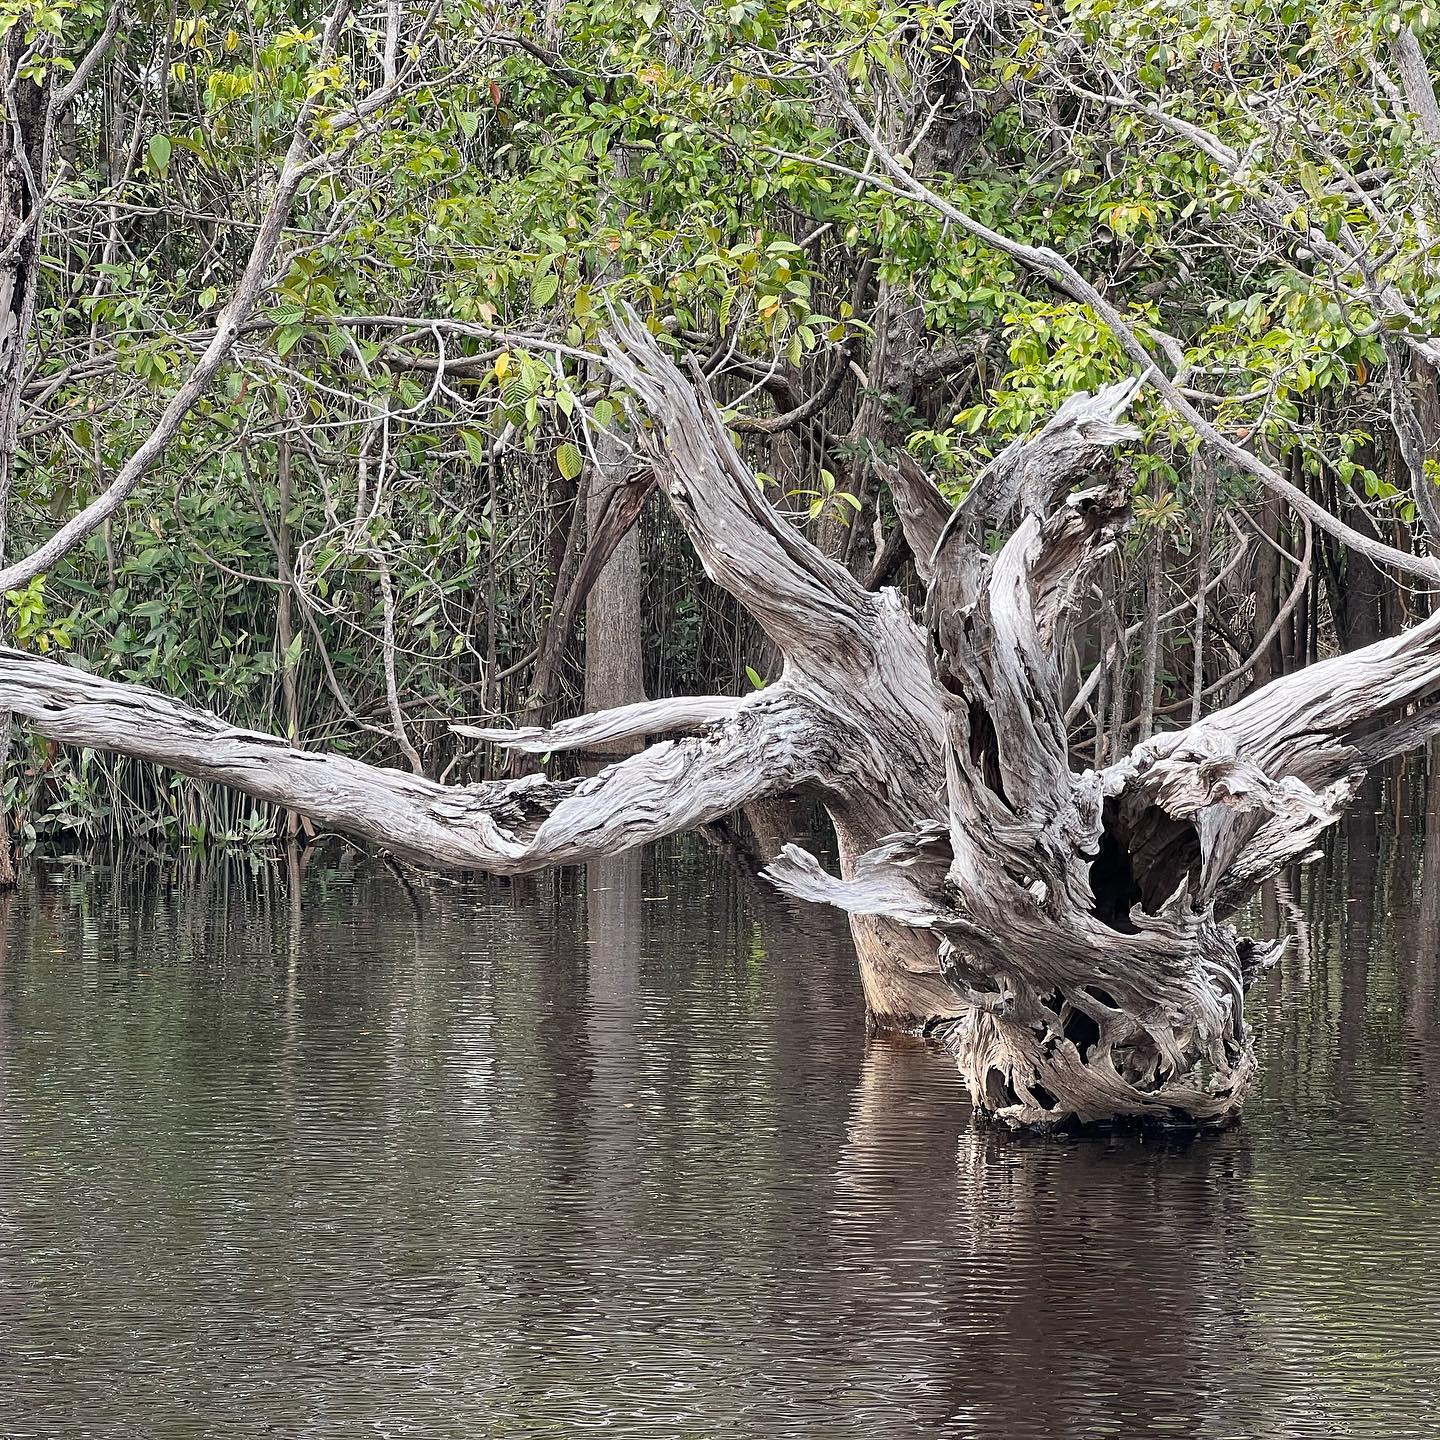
{"points": [[1418, 86], [684, 713], [1082, 915], [504, 827], [1062, 933], [922, 509], [811, 607]]}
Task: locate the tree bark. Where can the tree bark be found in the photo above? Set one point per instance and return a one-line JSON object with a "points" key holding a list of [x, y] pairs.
{"points": [[614, 657], [1150, 663], [614, 661], [1267, 586], [608, 524]]}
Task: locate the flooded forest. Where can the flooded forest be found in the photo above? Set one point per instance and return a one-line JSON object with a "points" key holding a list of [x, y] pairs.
{"points": [[720, 720]]}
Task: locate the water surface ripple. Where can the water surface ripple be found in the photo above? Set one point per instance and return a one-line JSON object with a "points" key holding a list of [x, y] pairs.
{"points": [[347, 1157]]}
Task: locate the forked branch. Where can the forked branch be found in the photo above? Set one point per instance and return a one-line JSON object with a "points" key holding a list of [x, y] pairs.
{"points": [[812, 608]]}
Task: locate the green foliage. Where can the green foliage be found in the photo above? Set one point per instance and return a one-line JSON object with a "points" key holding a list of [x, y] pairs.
{"points": [[29, 623], [419, 362]]}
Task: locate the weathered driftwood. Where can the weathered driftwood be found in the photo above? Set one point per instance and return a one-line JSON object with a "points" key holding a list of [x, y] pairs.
{"points": [[1063, 934]]}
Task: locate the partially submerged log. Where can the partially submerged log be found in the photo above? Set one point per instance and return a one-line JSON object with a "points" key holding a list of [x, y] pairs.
{"points": [[1082, 915], [1063, 934]]}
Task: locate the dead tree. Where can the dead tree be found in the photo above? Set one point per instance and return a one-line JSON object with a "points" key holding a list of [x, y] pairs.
{"points": [[1062, 934]]}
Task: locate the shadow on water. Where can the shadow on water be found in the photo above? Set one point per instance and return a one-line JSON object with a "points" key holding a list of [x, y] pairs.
{"points": [[316, 1149]]}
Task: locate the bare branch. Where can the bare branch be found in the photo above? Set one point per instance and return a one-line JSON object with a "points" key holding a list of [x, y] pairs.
{"points": [[80, 76], [761, 747], [684, 714], [923, 510], [811, 607], [298, 163]]}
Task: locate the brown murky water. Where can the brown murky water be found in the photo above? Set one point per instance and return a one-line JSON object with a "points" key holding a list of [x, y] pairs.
{"points": [[350, 1160]]}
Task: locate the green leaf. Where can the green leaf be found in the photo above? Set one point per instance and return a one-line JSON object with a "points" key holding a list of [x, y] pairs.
{"points": [[545, 289], [474, 447], [568, 460], [514, 392], [159, 153]]}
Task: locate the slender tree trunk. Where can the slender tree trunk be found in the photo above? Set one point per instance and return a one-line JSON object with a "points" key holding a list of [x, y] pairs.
{"points": [[1267, 585], [1120, 672], [614, 655], [1154, 603], [284, 618], [1427, 420], [25, 115], [1102, 694], [1358, 590], [1202, 586], [1299, 626]]}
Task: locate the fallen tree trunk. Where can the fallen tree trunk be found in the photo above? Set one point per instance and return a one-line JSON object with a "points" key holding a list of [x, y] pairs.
{"points": [[1063, 934]]}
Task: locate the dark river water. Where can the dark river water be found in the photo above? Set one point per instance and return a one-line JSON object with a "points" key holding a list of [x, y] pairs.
{"points": [[357, 1156]]}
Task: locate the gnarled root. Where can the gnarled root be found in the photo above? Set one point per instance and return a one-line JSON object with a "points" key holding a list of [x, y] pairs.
{"points": [[1081, 1053]]}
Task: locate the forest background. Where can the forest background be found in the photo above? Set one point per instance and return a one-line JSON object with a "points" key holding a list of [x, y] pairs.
{"points": [[404, 495]]}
